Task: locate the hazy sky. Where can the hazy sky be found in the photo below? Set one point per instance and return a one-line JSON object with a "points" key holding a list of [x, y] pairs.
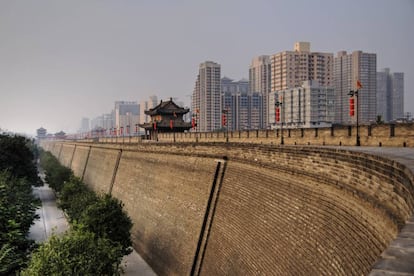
{"points": [[64, 60]]}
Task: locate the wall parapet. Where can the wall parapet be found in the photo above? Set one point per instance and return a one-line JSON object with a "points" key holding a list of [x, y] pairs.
{"points": [[386, 135]]}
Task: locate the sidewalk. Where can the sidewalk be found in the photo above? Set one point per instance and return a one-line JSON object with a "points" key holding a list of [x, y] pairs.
{"points": [[52, 220]]}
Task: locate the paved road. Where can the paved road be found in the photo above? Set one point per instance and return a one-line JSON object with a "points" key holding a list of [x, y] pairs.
{"points": [[52, 220]]}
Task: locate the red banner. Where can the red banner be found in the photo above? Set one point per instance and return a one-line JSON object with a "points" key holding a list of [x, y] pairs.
{"points": [[351, 107], [223, 120], [277, 114]]}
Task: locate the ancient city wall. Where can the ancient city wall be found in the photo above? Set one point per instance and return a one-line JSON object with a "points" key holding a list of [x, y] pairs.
{"points": [[233, 208], [392, 135]]}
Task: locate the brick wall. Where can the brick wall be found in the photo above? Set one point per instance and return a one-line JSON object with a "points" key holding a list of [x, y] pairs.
{"points": [[66, 154], [398, 135], [274, 210]]}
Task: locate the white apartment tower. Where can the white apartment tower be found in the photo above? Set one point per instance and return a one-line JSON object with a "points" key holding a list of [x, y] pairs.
{"points": [[291, 68], [390, 95], [206, 100], [348, 69], [308, 106], [260, 81]]}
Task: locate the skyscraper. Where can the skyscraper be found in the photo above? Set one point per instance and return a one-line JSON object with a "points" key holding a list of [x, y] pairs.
{"points": [[348, 69], [291, 68], [390, 95], [206, 101], [260, 80]]}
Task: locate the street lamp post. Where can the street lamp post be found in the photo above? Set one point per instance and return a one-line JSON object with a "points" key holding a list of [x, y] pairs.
{"points": [[351, 94], [278, 106]]}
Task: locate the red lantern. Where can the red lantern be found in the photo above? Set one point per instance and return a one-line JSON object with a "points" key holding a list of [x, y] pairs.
{"points": [[277, 114], [351, 107], [223, 119]]}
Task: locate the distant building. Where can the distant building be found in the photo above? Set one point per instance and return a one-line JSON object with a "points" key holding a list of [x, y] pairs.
{"points": [[84, 128], [147, 105], [291, 68], [105, 122], [108, 121], [41, 133], [260, 82], [308, 106], [348, 69], [60, 135], [243, 109], [165, 117], [97, 122], [101, 125], [126, 118], [206, 100], [390, 95]]}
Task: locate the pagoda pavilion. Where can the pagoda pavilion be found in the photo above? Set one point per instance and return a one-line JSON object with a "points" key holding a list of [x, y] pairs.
{"points": [[165, 117]]}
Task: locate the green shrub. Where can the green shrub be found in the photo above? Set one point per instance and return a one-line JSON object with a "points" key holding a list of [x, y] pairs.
{"points": [[106, 218], [75, 197], [78, 252]]}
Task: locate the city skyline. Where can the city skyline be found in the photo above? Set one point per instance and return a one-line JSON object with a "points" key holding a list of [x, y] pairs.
{"points": [[62, 61]]}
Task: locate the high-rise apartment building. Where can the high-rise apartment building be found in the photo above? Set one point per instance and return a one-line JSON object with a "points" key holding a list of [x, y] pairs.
{"points": [[291, 68], [348, 69], [104, 122], [126, 117], [390, 95], [308, 106], [397, 96], [206, 100], [244, 109], [260, 82], [84, 127]]}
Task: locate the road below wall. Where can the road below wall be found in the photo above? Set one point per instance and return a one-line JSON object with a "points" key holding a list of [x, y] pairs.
{"points": [[53, 221]]}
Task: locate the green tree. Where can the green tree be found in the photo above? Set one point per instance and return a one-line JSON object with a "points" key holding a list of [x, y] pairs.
{"points": [[56, 174], [78, 252], [17, 156], [107, 219], [17, 213], [75, 197]]}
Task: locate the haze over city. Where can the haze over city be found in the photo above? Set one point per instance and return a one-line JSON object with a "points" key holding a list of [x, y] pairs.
{"points": [[64, 60]]}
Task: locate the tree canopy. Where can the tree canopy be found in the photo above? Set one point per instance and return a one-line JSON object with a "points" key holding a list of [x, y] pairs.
{"points": [[18, 205], [17, 155]]}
